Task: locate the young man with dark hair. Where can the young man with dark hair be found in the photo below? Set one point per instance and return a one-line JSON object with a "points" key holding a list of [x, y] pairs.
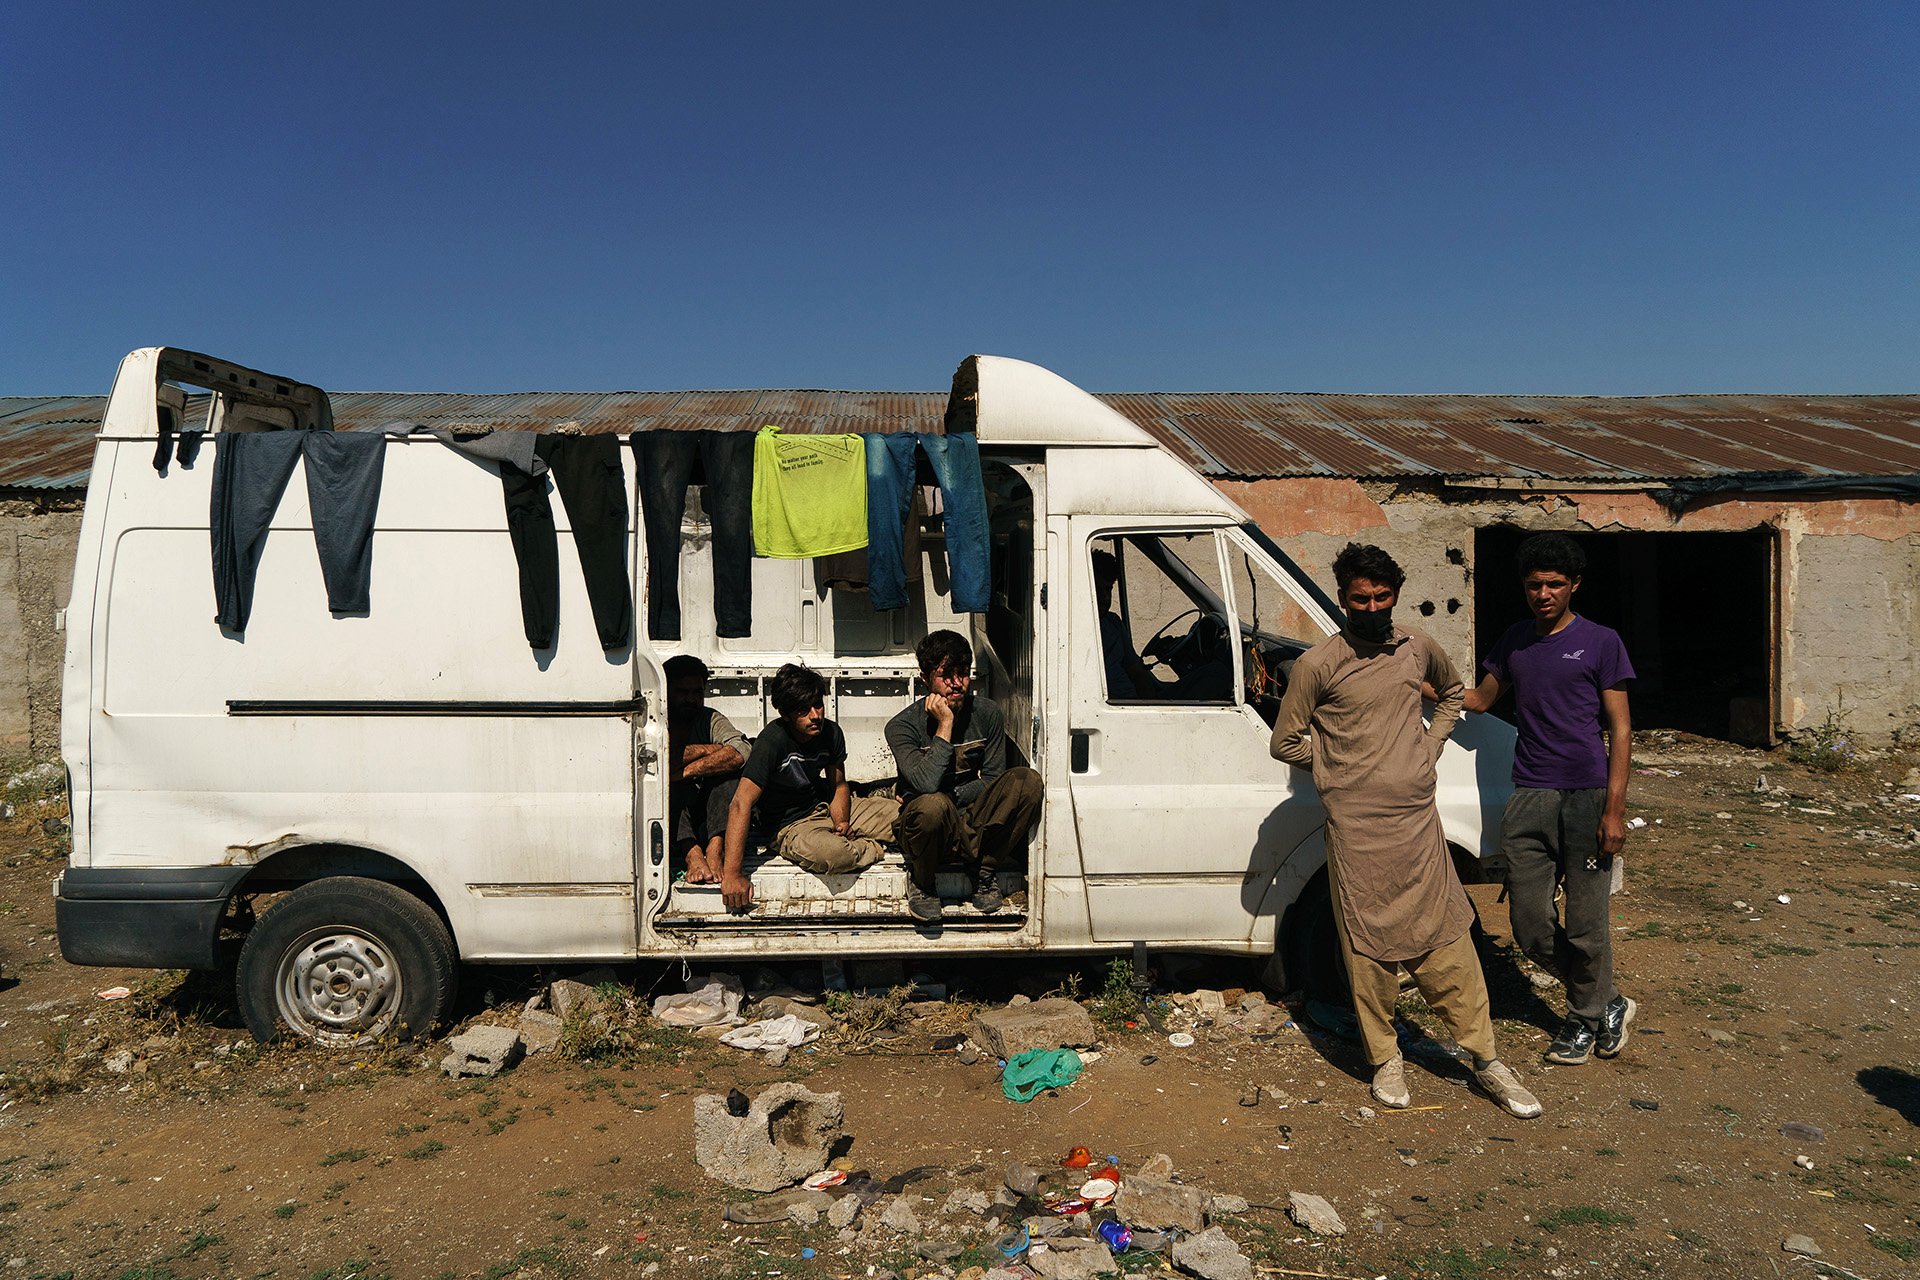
{"points": [[959, 798], [796, 777], [1396, 898], [1567, 818], [704, 756]]}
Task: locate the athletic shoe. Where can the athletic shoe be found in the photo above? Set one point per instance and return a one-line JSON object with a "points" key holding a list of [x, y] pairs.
{"points": [[922, 905], [1390, 1084], [1616, 1027], [1498, 1080], [1573, 1046], [986, 892]]}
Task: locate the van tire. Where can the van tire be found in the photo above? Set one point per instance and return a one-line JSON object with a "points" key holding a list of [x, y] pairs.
{"points": [[347, 961]]}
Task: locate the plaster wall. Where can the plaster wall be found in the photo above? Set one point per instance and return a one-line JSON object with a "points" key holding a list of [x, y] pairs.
{"points": [[38, 534], [1849, 589]]}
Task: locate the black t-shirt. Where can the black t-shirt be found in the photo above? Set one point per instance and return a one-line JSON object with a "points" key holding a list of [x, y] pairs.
{"points": [[793, 777]]}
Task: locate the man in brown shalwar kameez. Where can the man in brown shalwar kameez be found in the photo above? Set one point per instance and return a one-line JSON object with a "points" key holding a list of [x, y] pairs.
{"points": [[1396, 899]]}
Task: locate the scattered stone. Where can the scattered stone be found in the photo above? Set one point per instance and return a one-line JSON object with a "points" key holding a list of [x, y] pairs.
{"points": [[1212, 1255], [1367, 1113], [540, 1030], [1039, 1024], [1072, 1258], [1251, 1000], [777, 1055], [1718, 1036], [1022, 1180], [54, 827], [939, 1250], [843, 1212], [967, 1201], [1158, 1165], [482, 1051], [120, 1062], [1315, 1214], [1159, 1205], [966, 1054], [1264, 1020], [784, 1136], [568, 994], [804, 1213], [1802, 1245], [1045, 1226], [1209, 1001], [780, 1207], [1228, 1205], [781, 1006], [972, 1273], [899, 1216]]}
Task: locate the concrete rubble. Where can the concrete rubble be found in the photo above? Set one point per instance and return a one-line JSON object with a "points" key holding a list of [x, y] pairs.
{"points": [[1038, 1024], [1161, 1205], [1315, 1214], [482, 1051], [786, 1134], [1212, 1255]]}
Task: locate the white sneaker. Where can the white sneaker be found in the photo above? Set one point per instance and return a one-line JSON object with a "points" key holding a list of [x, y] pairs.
{"points": [[1498, 1080], [1390, 1084]]}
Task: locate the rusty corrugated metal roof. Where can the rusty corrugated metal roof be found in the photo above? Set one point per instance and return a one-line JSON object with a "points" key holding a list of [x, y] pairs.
{"points": [[47, 443]]}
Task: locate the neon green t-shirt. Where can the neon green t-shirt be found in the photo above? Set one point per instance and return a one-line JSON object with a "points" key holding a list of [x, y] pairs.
{"points": [[809, 494]]}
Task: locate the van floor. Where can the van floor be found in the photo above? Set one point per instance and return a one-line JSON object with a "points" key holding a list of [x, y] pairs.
{"points": [[785, 894]]}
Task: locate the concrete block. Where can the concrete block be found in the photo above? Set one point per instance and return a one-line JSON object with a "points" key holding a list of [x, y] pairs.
{"points": [[1160, 1206], [1212, 1255], [784, 1136], [1039, 1024], [1315, 1214], [482, 1051], [540, 1030]]}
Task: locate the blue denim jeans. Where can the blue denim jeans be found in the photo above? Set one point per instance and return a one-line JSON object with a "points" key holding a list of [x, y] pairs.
{"points": [[955, 460], [668, 462]]}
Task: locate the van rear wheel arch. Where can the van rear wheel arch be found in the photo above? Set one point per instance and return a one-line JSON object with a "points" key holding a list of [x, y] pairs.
{"points": [[347, 960]]}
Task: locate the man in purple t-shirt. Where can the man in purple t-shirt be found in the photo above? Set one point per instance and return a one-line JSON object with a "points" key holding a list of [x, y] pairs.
{"points": [[1567, 819]]}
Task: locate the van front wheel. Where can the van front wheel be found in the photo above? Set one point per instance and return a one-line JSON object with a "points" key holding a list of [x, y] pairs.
{"points": [[345, 961]]}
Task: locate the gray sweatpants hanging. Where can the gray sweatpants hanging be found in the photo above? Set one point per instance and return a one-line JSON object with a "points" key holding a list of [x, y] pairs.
{"points": [[250, 473]]}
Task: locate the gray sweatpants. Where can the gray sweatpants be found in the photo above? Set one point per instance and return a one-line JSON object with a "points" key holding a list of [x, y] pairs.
{"points": [[1552, 839], [250, 473]]}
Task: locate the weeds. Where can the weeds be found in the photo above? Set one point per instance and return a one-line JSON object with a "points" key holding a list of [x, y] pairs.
{"points": [[1584, 1215], [1828, 746], [1120, 1001], [864, 1020]]}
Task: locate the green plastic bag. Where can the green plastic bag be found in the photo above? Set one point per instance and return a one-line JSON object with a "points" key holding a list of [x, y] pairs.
{"points": [[1028, 1073]]}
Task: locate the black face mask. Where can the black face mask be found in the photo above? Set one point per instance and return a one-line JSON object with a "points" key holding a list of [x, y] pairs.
{"points": [[1375, 627]]}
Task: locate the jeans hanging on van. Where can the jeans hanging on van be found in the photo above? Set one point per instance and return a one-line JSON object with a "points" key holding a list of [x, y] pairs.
{"points": [[587, 472], [955, 460], [250, 473], [722, 463]]}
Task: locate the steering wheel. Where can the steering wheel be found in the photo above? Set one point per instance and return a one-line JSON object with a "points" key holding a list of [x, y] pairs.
{"points": [[1195, 646]]}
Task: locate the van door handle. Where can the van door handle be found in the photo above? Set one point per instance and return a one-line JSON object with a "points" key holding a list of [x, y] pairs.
{"points": [[1079, 750]]}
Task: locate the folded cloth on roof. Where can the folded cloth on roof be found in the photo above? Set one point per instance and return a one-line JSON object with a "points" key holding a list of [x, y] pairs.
{"points": [[510, 448]]}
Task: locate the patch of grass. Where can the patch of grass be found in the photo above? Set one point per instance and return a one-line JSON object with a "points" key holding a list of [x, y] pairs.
{"points": [[1827, 746], [1905, 1250], [347, 1155], [333, 1190], [1456, 1263], [1120, 1000], [426, 1150], [546, 1262], [1584, 1215], [661, 1191], [407, 1130], [1606, 1151], [352, 1269], [286, 1210]]}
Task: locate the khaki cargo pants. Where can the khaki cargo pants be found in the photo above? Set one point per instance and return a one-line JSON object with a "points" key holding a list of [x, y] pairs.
{"points": [[811, 842]]}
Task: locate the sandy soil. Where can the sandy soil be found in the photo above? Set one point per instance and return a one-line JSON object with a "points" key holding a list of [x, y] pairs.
{"points": [[1771, 938]]}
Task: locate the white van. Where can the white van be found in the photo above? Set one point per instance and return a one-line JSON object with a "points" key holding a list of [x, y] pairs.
{"points": [[414, 788]]}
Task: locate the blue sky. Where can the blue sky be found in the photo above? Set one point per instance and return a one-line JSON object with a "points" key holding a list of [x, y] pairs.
{"points": [[1618, 199]]}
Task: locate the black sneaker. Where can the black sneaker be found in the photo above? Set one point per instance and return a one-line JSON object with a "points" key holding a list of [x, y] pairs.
{"points": [[1616, 1025], [922, 905], [986, 892], [1573, 1046]]}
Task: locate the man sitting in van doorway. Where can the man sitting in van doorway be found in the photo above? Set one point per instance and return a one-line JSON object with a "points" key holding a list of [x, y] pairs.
{"points": [[795, 783], [705, 753], [958, 798], [1397, 902]]}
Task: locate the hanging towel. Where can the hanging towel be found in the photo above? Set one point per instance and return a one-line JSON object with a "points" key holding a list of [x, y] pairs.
{"points": [[809, 494]]}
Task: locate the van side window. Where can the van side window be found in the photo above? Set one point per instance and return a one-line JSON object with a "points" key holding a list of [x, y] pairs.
{"points": [[1166, 634]]}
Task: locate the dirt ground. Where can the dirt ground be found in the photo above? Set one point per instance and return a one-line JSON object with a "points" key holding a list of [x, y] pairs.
{"points": [[1771, 938]]}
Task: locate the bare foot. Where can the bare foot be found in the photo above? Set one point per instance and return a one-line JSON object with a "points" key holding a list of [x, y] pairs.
{"points": [[699, 869]]}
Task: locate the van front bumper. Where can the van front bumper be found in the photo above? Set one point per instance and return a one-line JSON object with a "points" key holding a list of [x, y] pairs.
{"points": [[143, 917]]}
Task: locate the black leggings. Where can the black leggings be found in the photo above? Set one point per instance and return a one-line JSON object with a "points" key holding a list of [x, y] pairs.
{"points": [[587, 472]]}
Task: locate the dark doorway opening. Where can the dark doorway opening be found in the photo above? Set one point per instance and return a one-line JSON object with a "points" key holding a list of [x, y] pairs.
{"points": [[1695, 610]]}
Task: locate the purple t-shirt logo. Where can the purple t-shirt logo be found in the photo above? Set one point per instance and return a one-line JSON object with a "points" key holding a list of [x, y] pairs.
{"points": [[1557, 681]]}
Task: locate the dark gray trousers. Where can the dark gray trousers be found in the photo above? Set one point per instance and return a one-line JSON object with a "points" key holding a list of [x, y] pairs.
{"points": [[250, 473], [1551, 839]]}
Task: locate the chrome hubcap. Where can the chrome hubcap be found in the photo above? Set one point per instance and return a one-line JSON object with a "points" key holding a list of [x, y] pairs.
{"points": [[339, 986]]}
